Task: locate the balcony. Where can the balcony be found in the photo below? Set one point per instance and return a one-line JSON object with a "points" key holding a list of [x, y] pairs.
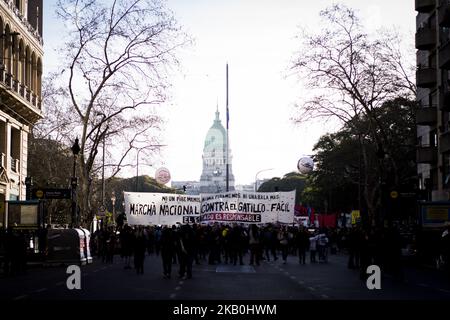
{"points": [[425, 6], [444, 101], [426, 116], [445, 142], [426, 154], [18, 98], [10, 5], [444, 13], [425, 38], [15, 165], [426, 77], [444, 56]]}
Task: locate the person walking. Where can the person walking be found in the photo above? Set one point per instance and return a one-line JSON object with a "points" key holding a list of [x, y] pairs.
{"points": [[235, 245], [254, 242], [302, 243], [283, 240], [140, 246], [313, 248], [322, 246], [187, 244], [127, 240], [167, 247]]}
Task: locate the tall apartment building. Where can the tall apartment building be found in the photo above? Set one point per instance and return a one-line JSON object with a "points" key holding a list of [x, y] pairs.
{"points": [[21, 52]]}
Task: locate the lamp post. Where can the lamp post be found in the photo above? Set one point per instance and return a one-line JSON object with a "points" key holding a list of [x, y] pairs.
{"points": [[137, 161], [256, 178], [74, 182], [113, 200]]}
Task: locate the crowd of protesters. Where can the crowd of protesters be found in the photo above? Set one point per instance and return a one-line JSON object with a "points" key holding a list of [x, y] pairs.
{"points": [[236, 244], [233, 244]]}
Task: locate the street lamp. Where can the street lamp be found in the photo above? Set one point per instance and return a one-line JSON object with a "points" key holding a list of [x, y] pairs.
{"points": [[256, 178], [75, 150], [137, 161], [113, 200]]}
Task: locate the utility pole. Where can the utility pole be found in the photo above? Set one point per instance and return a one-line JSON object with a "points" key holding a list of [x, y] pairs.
{"points": [[228, 118]]}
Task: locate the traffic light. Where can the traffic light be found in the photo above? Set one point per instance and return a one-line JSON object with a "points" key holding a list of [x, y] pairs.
{"points": [[184, 188]]}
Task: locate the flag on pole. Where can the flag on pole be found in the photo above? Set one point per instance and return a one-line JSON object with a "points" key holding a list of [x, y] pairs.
{"points": [[228, 113]]}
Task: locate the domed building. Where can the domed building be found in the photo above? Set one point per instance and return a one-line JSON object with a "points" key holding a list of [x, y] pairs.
{"points": [[214, 174]]}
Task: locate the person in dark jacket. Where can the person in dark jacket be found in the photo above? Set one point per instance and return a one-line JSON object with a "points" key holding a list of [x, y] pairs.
{"points": [[302, 243], [186, 245], [140, 246], [167, 246], [236, 245]]}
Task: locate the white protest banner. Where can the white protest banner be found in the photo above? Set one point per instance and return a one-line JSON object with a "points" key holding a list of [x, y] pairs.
{"points": [[248, 207], [143, 208]]}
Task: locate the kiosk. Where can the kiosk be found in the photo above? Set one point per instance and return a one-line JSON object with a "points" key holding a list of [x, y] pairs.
{"points": [[68, 246]]}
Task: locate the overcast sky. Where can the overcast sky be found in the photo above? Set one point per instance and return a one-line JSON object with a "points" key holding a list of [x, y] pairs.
{"points": [[257, 39]]}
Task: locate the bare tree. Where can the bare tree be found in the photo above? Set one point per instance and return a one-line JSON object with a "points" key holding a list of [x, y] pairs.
{"points": [[118, 59], [348, 75]]}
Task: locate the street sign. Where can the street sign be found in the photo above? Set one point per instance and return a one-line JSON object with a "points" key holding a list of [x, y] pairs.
{"points": [[52, 193], [356, 216], [394, 194]]}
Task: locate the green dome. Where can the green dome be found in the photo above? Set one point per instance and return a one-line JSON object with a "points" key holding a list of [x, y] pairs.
{"points": [[216, 136]]}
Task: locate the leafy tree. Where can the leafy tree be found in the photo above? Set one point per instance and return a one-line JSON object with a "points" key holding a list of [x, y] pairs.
{"points": [[349, 75], [290, 181], [341, 175], [118, 59]]}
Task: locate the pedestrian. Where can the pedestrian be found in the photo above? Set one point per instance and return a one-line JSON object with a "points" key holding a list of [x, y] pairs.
{"points": [[111, 245], [236, 245], [187, 245], [302, 244], [167, 247], [283, 240], [254, 242], [312, 248], [127, 241], [140, 245], [322, 246]]}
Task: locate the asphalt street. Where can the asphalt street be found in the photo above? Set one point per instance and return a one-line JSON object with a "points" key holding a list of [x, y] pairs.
{"points": [[272, 280]]}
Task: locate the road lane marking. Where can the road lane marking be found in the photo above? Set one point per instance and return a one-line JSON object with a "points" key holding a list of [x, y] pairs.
{"points": [[177, 288], [301, 282], [59, 283], [293, 277], [180, 283], [444, 290], [40, 290], [21, 297], [311, 288], [424, 285], [325, 296], [172, 296]]}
